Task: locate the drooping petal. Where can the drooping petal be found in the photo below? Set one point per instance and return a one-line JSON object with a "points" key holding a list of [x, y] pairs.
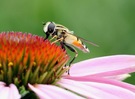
{"points": [[9, 92], [102, 90], [40, 93], [14, 93], [51, 92], [103, 80], [104, 66], [120, 92], [119, 77], [4, 92], [114, 90], [2, 85]]}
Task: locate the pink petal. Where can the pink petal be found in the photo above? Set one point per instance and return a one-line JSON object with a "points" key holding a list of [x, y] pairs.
{"points": [[10, 92], [114, 90], [4, 92], [2, 83], [102, 91], [103, 80], [104, 66], [40, 93], [14, 93], [52, 92], [119, 77]]}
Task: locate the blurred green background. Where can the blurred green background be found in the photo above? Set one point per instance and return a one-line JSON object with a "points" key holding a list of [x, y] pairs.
{"points": [[108, 23]]}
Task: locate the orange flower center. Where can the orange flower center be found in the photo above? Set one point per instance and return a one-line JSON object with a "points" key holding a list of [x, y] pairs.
{"points": [[27, 58]]}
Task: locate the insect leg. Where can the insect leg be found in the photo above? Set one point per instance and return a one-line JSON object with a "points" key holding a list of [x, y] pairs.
{"points": [[76, 54], [60, 39], [62, 46], [53, 37], [47, 35]]}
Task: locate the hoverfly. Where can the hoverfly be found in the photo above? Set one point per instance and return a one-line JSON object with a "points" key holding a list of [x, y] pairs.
{"points": [[66, 38]]}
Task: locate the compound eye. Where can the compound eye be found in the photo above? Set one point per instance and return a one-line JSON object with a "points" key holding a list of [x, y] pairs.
{"points": [[51, 27]]}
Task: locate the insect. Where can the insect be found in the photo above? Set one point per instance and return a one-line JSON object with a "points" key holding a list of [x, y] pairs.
{"points": [[66, 38]]}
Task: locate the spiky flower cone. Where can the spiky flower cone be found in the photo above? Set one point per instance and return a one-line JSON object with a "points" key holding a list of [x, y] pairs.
{"points": [[27, 58]]}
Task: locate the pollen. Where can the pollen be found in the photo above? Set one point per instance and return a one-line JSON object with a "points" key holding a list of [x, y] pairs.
{"points": [[10, 64], [27, 58]]}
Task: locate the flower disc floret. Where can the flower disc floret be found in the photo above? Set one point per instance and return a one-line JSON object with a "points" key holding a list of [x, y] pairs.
{"points": [[29, 58]]}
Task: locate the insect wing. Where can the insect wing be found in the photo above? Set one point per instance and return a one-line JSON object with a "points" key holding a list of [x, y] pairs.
{"points": [[88, 41], [74, 41], [80, 46], [84, 39]]}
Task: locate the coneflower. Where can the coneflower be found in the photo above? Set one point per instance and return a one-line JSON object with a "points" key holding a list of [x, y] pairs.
{"points": [[33, 68], [27, 58]]}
